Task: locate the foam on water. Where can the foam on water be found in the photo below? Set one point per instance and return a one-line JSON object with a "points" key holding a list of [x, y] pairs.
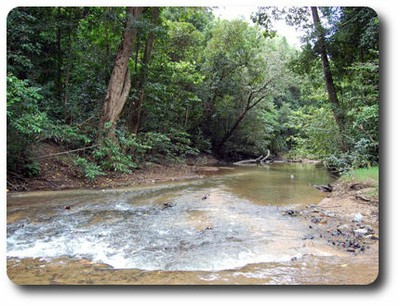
{"points": [[217, 224], [221, 232]]}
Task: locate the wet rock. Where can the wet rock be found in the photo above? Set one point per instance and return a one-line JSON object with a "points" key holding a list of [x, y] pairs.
{"points": [[356, 186], [312, 206], [328, 213], [207, 227], [360, 232], [324, 188], [318, 220], [290, 212], [167, 205], [336, 233], [343, 228], [296, 257]]}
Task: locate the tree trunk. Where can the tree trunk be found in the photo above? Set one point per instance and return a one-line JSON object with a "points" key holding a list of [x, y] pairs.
{"points": [[67, 117], [136, 107], [230, 132], [330, 86], [120, 81], [252, 101], [59, 57]]}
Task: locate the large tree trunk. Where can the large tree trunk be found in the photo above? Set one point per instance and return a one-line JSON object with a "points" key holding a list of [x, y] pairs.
{"points": [[330, 86], [120, 81], [136, 106]]}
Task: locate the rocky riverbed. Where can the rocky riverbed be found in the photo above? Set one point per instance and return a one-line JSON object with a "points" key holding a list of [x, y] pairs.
{"points": [[347, 219]]}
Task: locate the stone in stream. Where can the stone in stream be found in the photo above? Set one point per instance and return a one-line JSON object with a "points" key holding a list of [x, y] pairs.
{"points": [[360, 232], [343, 227], [358, 218], [167, 205], [291, 212], [308, 237], [205, 197], [318, 220], [324, 188]]}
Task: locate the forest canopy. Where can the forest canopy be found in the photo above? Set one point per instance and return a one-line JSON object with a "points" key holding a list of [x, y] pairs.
{"points": [[126, 86]]}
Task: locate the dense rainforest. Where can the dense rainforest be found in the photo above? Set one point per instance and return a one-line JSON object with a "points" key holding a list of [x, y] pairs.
{"points": [[124, 87]]}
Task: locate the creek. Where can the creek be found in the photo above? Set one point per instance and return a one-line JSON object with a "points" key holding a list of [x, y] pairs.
{"points": [[228, 228]]}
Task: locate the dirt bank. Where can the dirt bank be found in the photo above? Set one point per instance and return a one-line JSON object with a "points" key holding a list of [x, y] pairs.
{"points": [[59, 172]]}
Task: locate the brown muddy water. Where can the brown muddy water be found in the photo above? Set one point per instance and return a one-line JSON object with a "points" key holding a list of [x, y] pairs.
{"points": [[224, 229]]}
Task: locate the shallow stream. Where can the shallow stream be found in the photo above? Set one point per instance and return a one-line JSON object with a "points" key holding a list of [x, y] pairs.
{"points": [[228, 228]]}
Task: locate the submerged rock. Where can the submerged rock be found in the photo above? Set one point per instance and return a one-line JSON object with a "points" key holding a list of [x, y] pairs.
{"points": [[308, 237], [324, 188], [291, 212], [167, 205]]}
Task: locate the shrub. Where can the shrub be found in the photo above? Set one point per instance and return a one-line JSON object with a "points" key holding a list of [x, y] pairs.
{"points": [[110, 157], [26, 123], [87, 168]]}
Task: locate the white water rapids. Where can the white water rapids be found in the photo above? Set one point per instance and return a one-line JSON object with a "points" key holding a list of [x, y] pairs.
{"points": [[193, 226]]}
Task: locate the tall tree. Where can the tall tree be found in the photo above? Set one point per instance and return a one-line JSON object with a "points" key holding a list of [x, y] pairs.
{"points": [[330, 86], [120, 81], [136, 106], [297, 16], [244, 70]]}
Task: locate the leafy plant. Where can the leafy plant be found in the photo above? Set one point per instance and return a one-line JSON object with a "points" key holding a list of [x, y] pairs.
{"points": [[26, 123], [87, 168], [110, 157]]}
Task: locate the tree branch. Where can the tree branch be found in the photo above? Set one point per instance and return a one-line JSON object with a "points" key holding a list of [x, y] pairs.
{"points": [[65, 152]]}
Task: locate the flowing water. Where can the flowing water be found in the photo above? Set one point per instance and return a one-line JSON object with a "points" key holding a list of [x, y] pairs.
{"points": [[224, 229]]}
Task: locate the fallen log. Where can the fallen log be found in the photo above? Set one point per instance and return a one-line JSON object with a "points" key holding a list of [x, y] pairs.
{"points": [[260, 160], [266, 157]]}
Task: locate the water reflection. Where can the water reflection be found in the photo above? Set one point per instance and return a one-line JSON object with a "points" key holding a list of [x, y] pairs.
{"points": [[279, 184]]}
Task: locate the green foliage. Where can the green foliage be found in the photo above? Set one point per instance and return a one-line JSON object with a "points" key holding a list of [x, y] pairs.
{"points": [[26, 123], [315, 134], [87, 168], [200, 142], [71, 136], [238, 60], [32, 168], [23, 112], [200, 76], [170, 147], [370, 174], [110, 157]]}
